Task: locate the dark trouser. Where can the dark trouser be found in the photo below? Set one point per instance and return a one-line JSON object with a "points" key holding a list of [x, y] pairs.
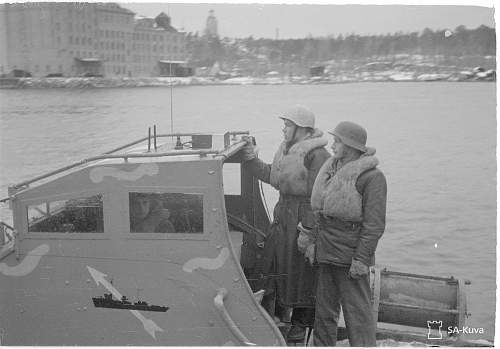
{"points": [[335, 288], [303, 317]]}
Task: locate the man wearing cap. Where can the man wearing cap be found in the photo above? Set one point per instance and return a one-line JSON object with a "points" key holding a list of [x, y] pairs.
{"points": [[349, 201], [292, 172]]}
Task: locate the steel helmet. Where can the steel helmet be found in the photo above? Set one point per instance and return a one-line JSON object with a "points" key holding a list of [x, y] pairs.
{"points": [[351, 134], [300, 116]]}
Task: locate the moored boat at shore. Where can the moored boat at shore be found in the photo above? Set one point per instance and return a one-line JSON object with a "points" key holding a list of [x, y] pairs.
{"points": [[9, 82]]}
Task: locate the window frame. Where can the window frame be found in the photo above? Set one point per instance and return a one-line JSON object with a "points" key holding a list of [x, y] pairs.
{"points": [[105, 235]]}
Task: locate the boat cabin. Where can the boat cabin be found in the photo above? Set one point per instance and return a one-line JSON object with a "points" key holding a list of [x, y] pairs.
{"points": [[149, 223]]}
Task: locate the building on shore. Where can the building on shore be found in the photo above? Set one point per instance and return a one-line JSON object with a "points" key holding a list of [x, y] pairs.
{"points": [[86, 39], [156, 44]]}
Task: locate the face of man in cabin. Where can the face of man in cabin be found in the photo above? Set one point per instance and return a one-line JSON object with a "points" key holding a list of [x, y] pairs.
{"points": [[140, 207]]}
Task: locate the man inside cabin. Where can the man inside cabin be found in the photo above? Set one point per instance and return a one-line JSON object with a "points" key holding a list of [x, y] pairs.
{"points": [[349, 201], [147, 214]]}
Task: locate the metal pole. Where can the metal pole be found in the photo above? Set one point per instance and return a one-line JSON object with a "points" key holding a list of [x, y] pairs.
{"points": [[2, 235], [154, 135], [149, 139], [171, 99]]}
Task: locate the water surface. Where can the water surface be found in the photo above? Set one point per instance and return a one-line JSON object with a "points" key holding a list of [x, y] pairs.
{"points": [[435, 142]]}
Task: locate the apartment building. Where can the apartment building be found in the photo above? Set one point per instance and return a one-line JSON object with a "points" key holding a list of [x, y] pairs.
{"points": [[85, 39]]}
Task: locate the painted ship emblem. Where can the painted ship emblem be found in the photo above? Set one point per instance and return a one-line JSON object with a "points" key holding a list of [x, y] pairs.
{"points": [[107, 301]]}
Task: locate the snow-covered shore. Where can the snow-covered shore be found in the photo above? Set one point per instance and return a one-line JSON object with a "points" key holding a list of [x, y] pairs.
{"points": [[81, 82]]}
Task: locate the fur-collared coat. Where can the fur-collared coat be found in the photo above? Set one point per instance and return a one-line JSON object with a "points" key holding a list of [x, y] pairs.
{"points": [[334, 192], [289, 174], [293, 173], [351, 201]]}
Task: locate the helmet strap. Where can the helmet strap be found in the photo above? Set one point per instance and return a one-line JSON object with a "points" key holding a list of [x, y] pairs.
{"points": [[294, 133]]}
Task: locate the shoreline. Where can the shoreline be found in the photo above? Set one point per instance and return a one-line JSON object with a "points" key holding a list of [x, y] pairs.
{"points": [[93, 82]]}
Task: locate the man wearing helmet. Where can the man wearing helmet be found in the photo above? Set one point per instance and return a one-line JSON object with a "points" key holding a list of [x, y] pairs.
{"points": [[349, 200], [292, 172]]}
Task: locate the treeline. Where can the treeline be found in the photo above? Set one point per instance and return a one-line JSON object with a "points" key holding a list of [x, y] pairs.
{"points": [[449, 43]]}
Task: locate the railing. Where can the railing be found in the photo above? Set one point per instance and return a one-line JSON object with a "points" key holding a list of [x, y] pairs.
{"points": [[231, 133], [109, 155], [219, 305], [3, 233], [7, 240], [228, 152], [245, 227], [114, 156]]}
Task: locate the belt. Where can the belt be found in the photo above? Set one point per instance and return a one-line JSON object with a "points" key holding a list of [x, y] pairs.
{"points": [[339, 223], [298, 198]]}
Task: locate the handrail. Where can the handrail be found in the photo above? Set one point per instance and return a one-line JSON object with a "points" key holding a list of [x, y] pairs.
{"points": [[145, 138], [200, 134], [219, 305], [226, 153], [9, 246], [201, 152], [6, 225], [172, 135], [244, 226], [109, 155]]}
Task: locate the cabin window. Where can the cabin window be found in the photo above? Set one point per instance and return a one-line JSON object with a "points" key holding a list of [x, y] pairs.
{"points": [[166, 213], [80, 215]]}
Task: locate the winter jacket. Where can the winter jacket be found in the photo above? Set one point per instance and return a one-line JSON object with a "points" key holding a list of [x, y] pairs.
{"points": [[351, 206]]}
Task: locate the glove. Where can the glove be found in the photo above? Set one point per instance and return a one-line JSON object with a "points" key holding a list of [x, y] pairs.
{"points": [[249, 151], [310, 253], [358, 269], [305, 238]]}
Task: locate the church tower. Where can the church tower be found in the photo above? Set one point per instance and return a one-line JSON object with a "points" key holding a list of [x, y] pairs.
{"points": [[211, 27]]}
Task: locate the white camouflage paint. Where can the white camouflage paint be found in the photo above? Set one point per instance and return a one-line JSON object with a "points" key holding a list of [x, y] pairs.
{"points": [[206, 263], [28, 264], [97, 174]]}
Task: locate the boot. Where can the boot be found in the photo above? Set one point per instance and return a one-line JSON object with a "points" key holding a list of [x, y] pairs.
{"points": [[296, 334]]}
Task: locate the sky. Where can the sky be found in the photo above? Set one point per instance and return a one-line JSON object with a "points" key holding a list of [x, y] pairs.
{"points": [[321, 19]]}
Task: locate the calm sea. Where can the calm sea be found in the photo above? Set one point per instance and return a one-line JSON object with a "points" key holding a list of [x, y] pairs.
{"points": [[436, 144]]}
